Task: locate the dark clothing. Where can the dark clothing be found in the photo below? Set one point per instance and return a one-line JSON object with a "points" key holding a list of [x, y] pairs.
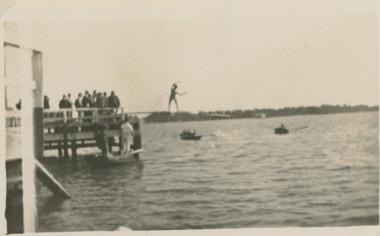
{"points": [[46, 104], [85, 101], [173, 93], [18, 105], [102, 142], [113, 101], [78, 103], [101, 101], [64, 104]]}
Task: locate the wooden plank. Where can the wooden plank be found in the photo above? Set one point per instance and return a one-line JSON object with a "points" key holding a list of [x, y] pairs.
{"points": [[77, 135], [78, 146], [45, 177]]}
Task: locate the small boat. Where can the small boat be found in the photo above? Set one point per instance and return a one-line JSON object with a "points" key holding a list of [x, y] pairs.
{"points": [[112, 159], [281, 130], [190, 136]]}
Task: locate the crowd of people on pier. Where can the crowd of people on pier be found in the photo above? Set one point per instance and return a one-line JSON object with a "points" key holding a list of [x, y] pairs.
{"points": [[87, 100], [96, 99]]}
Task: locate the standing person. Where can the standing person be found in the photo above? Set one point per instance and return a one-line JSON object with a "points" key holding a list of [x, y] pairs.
{"points": [[173, 94], [93, 99], [105, 99], [78, 101], [113, 101], [86, 99], [127, 135], [18, 105], [100, 103], [102, 139], [69, 102], [46, 102], [63, 103], [69, 105], [86, 103], [78, 104]]}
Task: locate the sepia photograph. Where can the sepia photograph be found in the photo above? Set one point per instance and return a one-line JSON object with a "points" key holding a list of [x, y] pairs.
{"points": [[156, 116]]}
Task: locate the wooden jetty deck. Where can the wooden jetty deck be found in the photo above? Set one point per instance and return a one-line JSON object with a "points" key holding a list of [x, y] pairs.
{"points": [[66, 129]]}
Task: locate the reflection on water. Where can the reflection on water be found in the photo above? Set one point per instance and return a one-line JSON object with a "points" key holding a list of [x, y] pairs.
{"points": [[239, 175]]}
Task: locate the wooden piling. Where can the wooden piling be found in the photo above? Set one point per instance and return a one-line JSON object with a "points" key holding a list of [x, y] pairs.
{"points": [[74, 150], [38, 117], [65, 145], [59, 149], [50, 182]]}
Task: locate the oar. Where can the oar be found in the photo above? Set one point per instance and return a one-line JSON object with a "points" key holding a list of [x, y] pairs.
{"points": [[303, 127]]}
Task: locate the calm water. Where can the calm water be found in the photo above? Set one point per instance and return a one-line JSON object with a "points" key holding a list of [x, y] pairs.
{"points": [[240, 175]]}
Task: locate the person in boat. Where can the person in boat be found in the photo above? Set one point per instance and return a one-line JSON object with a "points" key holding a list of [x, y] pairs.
{"points": [[173, 93], [102, 139], [283, 126], [127, 135]]}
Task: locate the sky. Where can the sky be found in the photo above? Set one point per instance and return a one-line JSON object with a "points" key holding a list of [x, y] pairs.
{"points": [[223, 61]]}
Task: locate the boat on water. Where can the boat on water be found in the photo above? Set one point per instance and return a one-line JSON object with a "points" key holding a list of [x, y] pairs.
{"points": [[112, 159], [187, 135], [281, 130]]}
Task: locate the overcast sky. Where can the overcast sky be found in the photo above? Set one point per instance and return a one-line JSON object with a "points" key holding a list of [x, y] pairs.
{"points": [[223, 61]]}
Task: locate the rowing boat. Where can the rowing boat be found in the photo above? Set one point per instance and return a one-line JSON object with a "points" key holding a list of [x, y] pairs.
{"points": [[281, 130], [112, 159], [190, 136]]}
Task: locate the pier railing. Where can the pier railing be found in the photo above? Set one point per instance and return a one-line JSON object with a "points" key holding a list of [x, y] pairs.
{"points": [[83, 115], [76, 128]]}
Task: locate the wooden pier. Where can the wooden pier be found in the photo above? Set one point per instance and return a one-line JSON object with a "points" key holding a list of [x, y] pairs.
{"points": [[66, 129]]}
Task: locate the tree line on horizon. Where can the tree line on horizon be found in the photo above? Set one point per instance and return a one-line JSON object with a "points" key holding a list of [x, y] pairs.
{"points": [[258, 113]]}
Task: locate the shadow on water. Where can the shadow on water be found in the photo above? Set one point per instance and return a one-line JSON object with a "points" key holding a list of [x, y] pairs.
{"points": [[127, 171], [51, 204], [88, 186]]}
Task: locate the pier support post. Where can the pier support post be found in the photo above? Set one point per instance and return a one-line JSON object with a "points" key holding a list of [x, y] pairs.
{"points": [[59, 149], [38, 117], [65, 146], [74, 150], [120, 143]]}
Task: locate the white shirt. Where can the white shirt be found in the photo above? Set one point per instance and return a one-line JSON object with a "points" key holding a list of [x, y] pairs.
{"points": [[127, 132]]}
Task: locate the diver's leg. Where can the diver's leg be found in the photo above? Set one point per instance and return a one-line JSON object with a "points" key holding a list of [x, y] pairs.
{"points": [[170, 101], [176, 104]]}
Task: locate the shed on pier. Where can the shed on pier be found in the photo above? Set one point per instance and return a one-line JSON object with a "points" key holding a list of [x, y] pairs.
{"points": [[23, 134]]}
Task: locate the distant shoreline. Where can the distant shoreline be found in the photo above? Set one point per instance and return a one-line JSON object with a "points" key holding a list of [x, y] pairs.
{"points": [[163, 117]]}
